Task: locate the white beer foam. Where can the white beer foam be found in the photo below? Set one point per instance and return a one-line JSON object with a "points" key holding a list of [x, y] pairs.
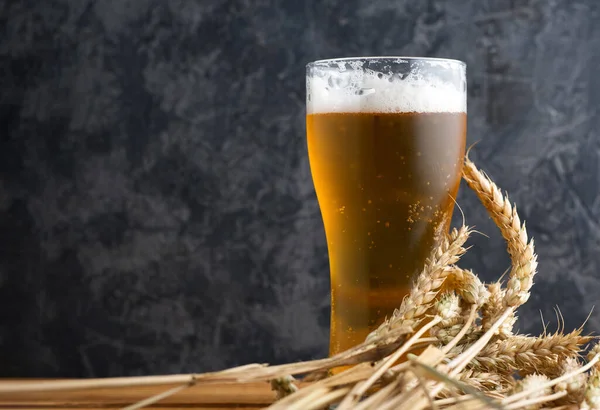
{"points": [[361, 91]]}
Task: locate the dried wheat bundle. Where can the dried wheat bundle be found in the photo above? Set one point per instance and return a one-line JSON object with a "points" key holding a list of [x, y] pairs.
{"points": [[469, 356]]}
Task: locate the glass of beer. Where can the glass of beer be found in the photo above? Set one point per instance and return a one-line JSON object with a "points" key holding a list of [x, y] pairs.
{"points": [[386, 140]]}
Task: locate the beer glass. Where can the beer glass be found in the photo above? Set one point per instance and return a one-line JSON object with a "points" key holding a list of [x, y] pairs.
{"points": [[386, 139]]}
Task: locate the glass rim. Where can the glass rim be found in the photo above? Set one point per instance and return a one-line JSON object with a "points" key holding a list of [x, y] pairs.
{"points": [[380, 58]]}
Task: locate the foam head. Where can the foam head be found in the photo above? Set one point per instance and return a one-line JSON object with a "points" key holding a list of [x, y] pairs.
{"points": [[387, 86]]}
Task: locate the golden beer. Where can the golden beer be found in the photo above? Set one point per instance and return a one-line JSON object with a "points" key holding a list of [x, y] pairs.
{"points": [[386, 173]]}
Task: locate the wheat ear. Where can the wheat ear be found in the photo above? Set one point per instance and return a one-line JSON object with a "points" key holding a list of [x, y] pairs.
{"points": [[529, 355], [521, 251]]}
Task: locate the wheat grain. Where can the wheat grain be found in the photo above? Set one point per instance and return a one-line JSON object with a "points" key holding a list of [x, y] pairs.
{"points": [[575, 386], [467, 285], [487, 381], [493, 308], [536, 383], [447, 308], [283, 386], [591, 399], [445, 335]]}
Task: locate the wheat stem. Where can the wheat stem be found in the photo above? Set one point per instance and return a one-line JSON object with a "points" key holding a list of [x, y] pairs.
{"points": [[361, 388], [536, 400], [319, 402], [379, 397], [462, 332], [158, 397]]}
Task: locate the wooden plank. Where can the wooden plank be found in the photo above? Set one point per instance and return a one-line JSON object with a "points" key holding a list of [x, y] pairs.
{"points": [[103, 407], [215, 396]]}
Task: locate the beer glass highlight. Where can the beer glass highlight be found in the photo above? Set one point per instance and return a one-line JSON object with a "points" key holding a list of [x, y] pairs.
{"points": [[386, 140]]}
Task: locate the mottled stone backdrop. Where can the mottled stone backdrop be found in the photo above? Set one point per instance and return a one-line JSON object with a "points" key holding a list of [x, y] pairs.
{"points": [[157, 212]]}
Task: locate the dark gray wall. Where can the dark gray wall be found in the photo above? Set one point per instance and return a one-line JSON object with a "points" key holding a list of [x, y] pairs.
{"points": [[156, 208]]}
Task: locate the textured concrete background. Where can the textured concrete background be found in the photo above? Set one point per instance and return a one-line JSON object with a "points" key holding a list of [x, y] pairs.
{"points": [[156, 208]]}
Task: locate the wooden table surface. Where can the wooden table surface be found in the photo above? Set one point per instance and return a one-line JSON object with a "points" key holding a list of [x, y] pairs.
{"points": [[201, 397]]}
